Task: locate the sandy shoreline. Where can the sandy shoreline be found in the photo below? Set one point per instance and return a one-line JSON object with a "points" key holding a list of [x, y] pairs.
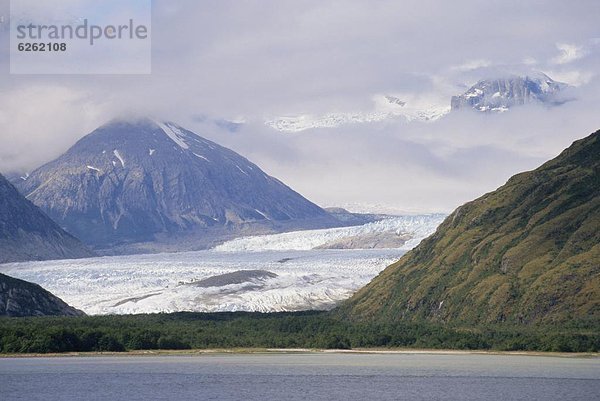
{"points": [[283, 351]]}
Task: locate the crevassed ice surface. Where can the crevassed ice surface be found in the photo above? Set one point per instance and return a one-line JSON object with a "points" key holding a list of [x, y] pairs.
{"points": [[162, 283], [418, 227], [306, 278]]}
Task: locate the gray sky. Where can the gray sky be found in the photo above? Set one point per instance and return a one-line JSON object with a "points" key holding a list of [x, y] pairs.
{"points": [[255, 60]]}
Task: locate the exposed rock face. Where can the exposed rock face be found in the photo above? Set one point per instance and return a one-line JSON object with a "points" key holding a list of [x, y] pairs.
{"points": [[498, 95], [528, 252], [128, 181], [20, 298], [26, 233]]}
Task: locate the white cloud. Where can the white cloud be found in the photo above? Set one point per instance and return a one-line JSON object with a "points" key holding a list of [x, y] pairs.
{"points": [[571, 77], [472, 65], [261, 58], [568, 53], [40, 122]]}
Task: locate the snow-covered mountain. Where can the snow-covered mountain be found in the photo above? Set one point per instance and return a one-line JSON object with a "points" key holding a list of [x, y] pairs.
{"points": [[129, 181], [500, 94], [386, 107], [26, 233], [487, 95]]}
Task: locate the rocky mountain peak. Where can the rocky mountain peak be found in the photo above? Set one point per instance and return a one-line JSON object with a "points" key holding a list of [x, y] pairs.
{"points": [[128, 181], [500, 94]]}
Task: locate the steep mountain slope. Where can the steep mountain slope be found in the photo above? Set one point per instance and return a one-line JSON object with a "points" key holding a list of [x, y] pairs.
{"points": [[28, 234], [528, 252], [21, 298], [498, 95], [128, 181]]}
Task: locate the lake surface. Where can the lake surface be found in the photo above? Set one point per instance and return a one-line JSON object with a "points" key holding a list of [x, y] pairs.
{"points": [[313, 376]]}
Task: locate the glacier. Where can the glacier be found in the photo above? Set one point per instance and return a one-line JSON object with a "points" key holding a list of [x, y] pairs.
{"points": [[315, 279], [295, 275], [413, 228]]}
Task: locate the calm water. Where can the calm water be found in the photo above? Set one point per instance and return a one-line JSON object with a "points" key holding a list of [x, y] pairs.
{"points": [[301, 377]]}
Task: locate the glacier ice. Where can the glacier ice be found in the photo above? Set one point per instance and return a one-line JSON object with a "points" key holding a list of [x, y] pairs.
{"points": [[417, 227], [303, 278], [315, 279]]}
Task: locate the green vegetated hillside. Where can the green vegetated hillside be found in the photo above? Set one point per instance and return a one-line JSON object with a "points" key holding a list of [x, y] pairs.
{"points": [[527, 253]]}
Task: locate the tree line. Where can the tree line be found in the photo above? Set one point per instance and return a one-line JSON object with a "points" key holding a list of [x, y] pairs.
{"points": [[320, 330]]}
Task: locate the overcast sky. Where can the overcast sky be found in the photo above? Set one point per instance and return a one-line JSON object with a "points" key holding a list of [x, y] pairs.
{"points": [[256, 60]]}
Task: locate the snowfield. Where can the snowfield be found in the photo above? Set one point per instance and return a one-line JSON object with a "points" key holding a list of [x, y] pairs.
{"points": [[293, 275]]}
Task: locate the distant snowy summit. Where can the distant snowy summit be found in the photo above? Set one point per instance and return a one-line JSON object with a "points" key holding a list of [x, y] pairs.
{"points": [[387, 107], [487, 95], [499, 95]]}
